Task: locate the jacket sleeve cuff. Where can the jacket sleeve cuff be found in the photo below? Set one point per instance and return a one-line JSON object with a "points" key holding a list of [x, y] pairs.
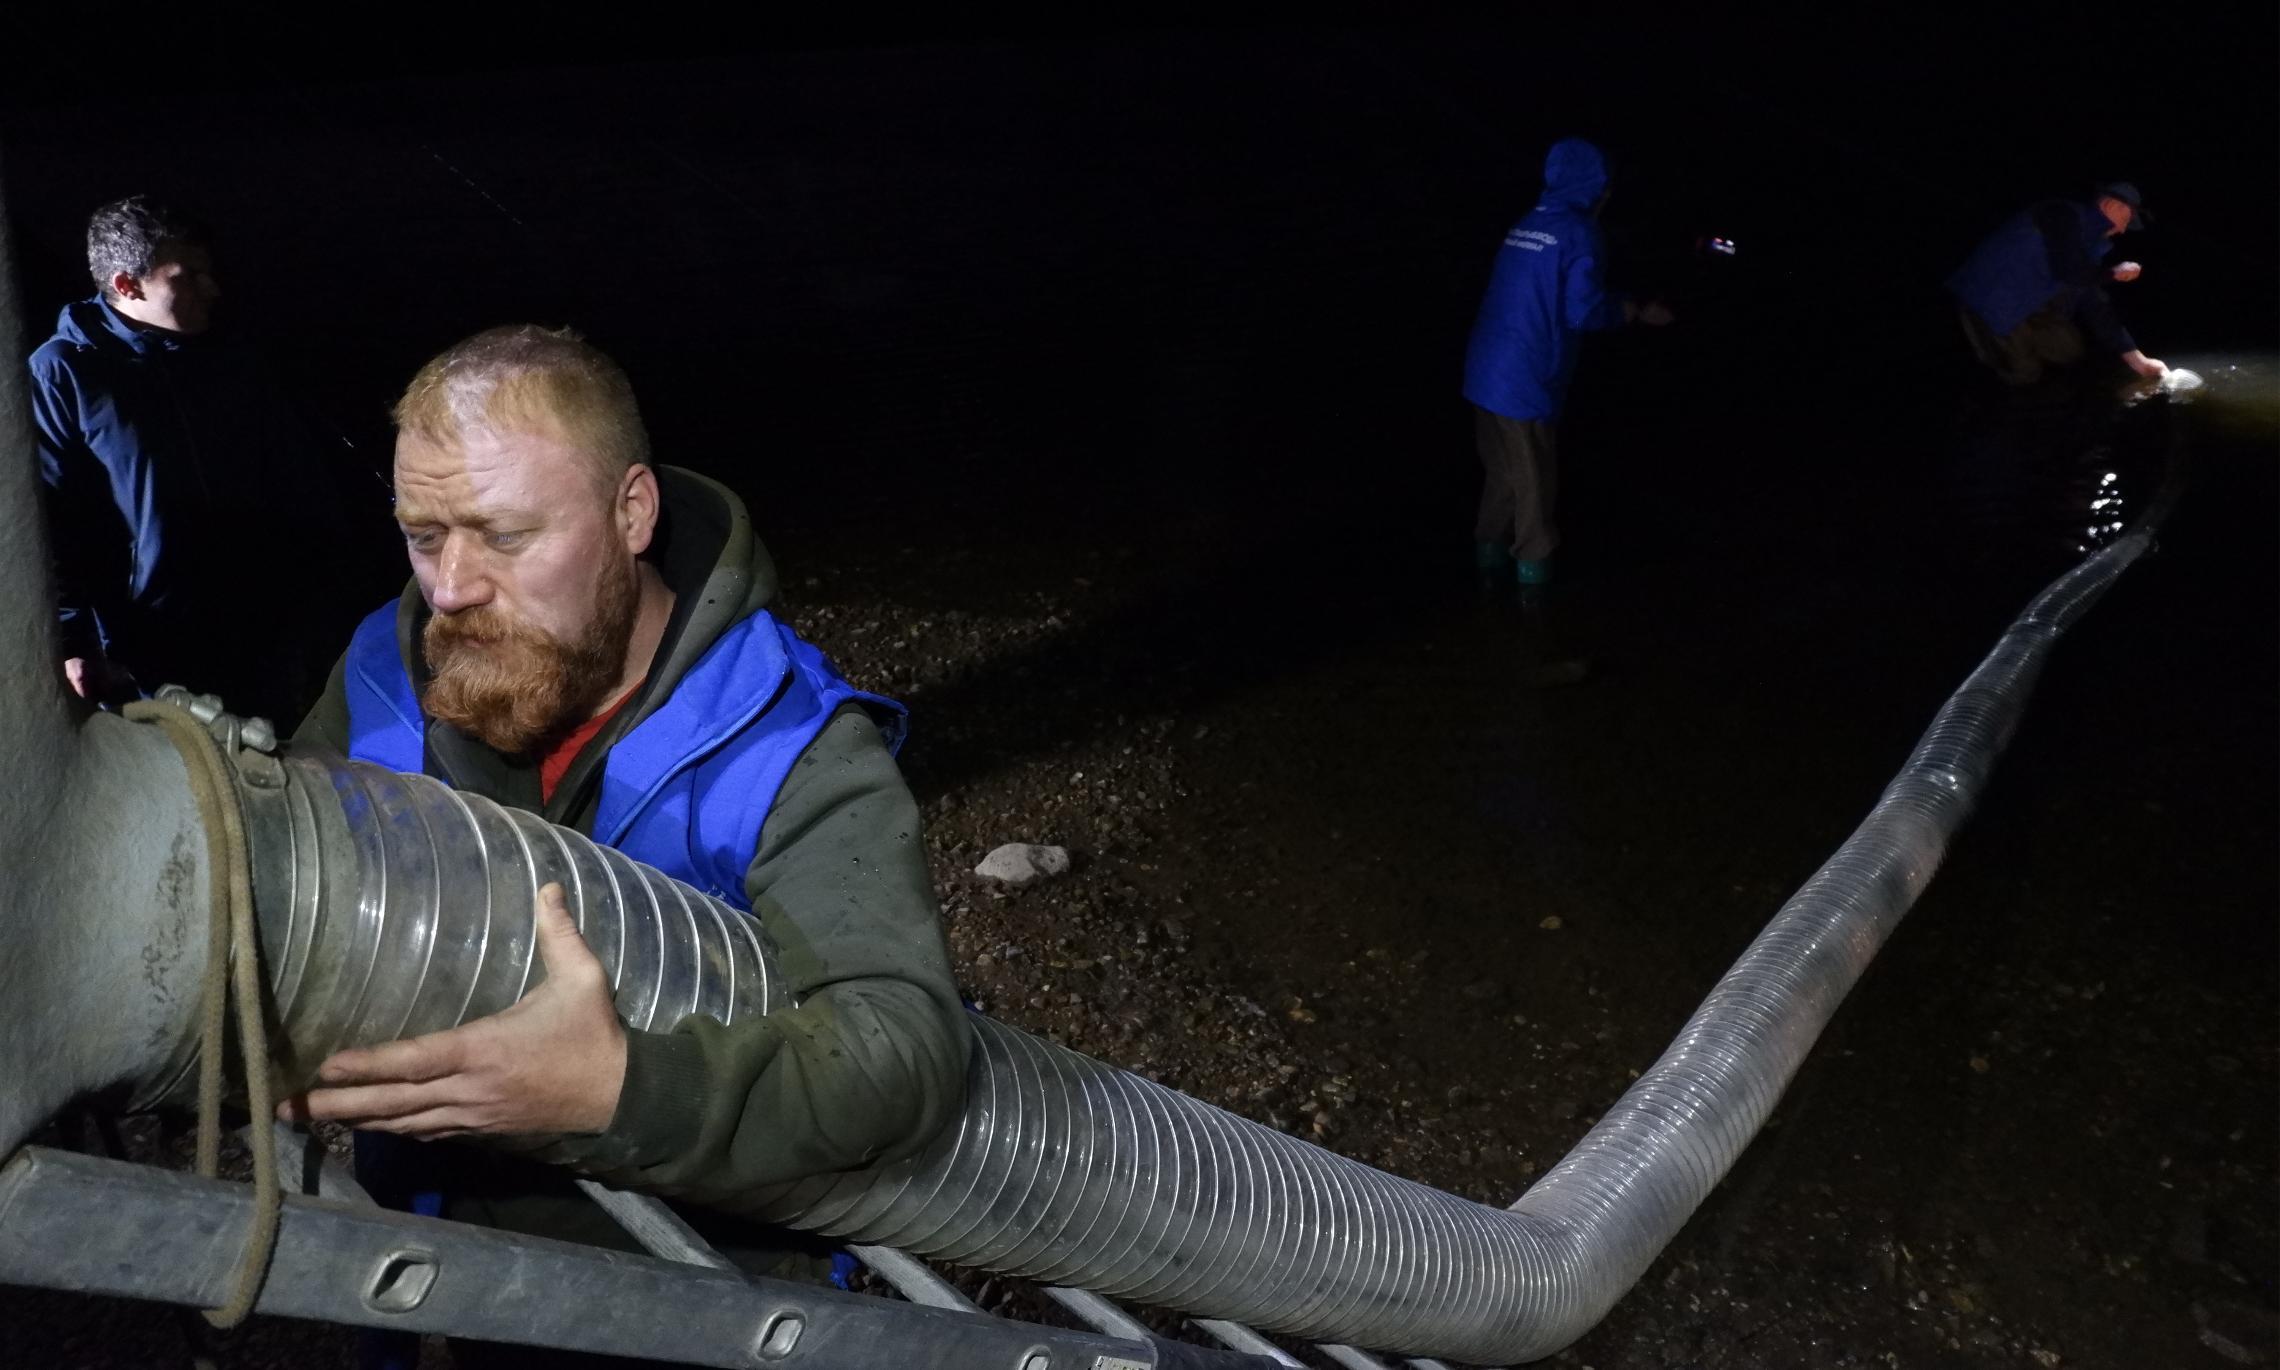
{"points": [[660, 1109]]}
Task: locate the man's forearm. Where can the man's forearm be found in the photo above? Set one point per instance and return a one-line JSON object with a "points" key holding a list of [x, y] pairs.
{"points": [[871, 1061], [861, 1072]]}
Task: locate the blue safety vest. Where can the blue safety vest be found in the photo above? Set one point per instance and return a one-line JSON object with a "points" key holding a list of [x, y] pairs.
{"points": [[685, 791]]}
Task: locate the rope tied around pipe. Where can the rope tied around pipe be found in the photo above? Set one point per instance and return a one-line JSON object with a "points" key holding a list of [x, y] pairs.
{"points": [[232, 964]]}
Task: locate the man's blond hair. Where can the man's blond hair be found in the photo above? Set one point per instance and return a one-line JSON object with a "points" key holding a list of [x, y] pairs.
{"points": [[526, 379]]}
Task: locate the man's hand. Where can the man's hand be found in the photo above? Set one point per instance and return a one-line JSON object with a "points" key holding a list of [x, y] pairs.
{"points": [[1655, 314], [2146, 366], [2127, 271], [96, 678], [552, 1063]]}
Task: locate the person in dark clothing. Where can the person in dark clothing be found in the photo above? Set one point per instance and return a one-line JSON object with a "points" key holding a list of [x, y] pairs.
{"points": [[2032, 295], [179, 472], [1544, 292]]}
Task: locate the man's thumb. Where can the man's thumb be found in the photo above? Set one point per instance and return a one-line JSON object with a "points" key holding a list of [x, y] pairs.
{"points": [[560, 948]]}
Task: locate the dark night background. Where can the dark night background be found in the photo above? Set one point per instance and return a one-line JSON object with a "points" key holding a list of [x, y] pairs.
{"points": [[1147, 343]]}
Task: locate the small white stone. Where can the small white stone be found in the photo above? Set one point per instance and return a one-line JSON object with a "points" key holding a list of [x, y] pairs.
{"points": [[1018, 863]]}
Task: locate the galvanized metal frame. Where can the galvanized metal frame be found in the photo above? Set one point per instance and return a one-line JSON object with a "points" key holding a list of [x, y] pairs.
{"points": [[94, 1225]]}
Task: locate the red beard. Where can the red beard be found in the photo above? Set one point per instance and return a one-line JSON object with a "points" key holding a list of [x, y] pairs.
{"points": [[512, 686]]}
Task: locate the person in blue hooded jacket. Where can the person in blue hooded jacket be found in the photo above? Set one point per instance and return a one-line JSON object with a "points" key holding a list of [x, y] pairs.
{"points": [[1545, 291], [179, 474], [2035, 287]]}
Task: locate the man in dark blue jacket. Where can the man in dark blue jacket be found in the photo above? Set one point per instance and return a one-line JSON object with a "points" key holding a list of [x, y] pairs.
{"points": [[2035, 286], [180, 481], [1544, 292]]}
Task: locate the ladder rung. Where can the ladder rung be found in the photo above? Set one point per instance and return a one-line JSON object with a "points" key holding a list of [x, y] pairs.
{"points": [[1241, 1338], [913, 1278], [660, 1230], [1098, 1313]]}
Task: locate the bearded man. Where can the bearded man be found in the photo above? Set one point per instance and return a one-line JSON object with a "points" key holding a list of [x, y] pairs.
{"points": [[586, 637]]}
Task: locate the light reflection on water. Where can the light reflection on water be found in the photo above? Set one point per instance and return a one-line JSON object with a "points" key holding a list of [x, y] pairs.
{"points": [[2240, 391], [2047, 471], [2067, 470]]}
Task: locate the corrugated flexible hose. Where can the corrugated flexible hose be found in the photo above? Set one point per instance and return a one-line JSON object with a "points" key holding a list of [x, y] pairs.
{"points": [[392, 906]]}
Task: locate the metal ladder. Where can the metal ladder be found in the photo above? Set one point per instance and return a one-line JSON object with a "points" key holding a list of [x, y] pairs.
{"points": [[89, 1224]]}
